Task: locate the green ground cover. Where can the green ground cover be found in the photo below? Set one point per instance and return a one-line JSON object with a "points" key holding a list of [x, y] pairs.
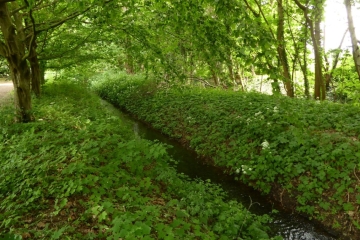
{"points": [[79, 173], [306, 150]]}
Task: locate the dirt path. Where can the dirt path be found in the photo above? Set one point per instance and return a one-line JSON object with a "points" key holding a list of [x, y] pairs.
{"points": [[5, 89]]}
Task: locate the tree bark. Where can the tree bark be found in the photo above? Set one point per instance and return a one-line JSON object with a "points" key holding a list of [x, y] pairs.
{"points": [[355, 46], [282, 52], [320, 90], [35, 73], [13, 49], [315, 32]]}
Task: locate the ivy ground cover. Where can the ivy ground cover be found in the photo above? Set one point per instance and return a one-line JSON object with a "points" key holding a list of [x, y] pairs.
{"points": [[301, 150], [79, 173]]}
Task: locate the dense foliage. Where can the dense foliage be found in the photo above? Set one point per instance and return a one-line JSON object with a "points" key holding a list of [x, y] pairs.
{"points": [[79, 173], [272, 46], [310, 149]]}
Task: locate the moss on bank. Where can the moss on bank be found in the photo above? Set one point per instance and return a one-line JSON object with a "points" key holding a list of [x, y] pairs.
{"points": [[305, 150]]}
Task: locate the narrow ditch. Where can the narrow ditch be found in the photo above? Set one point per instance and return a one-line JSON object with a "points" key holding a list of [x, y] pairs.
{"points": [[289, 226]]}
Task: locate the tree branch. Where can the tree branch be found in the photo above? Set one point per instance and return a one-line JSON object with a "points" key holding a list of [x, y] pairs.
{"points": [[78, 60], [302, 7], [336, 60], [62, 21], [69, 17], [70, 50], [251, 9], [263, 15], [33, 37]]}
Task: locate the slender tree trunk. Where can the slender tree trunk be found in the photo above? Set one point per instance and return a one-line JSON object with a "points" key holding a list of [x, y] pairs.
{"points": [[42, 72], [215, 78], [315, 31], [329, 72], [304, 67], [355, 46], [238, 78], [35, 73], [306, 80], [129, 65], [230, 66], [14, 51], [320, 90], [282, 52], [129, 62]]}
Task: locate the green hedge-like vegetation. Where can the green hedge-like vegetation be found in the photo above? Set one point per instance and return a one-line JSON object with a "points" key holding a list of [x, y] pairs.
{"points": [[310, 149], [79, 173]]}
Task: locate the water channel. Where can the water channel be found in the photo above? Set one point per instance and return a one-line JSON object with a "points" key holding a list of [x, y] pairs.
{"points": [[289, 226]]}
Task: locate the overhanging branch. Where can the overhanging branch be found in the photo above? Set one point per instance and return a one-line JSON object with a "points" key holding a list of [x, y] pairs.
{"points": [[62, 21], [251, 9], [302, 7], [70, 50], [33, 37]]}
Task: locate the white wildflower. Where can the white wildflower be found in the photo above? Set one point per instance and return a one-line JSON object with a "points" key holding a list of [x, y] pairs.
{"points": [[245, 169], [265, 144], [276, 109], [237, 170], [258, 113]]}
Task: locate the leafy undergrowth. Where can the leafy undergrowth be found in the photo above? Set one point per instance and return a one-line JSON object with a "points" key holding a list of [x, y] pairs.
{"points": [[79, 173], [309, 149]]}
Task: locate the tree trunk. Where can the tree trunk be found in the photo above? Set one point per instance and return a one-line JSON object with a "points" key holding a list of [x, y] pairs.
{"points": [[304, 70], [315, 31], [214, 77], [35, 74], [42, 72], [355, 47], [19, 20], [238, 78], [304, 67], [129, 62], [320, 91], [282, 52], [20, 73], [13, 50], [329, 72]]}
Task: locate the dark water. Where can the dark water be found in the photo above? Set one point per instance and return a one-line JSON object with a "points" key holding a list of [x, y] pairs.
{"points": [[289, 226]]}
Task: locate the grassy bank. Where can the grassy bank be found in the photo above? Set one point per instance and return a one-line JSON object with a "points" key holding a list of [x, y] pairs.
{"points": [[303, 152], [80, 173]]}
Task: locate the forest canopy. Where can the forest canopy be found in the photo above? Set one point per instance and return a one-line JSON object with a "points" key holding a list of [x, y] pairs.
{"points": [[270, 46]]}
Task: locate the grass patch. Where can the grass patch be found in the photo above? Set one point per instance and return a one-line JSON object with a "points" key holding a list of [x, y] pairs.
{"points": [[79, 173]]}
